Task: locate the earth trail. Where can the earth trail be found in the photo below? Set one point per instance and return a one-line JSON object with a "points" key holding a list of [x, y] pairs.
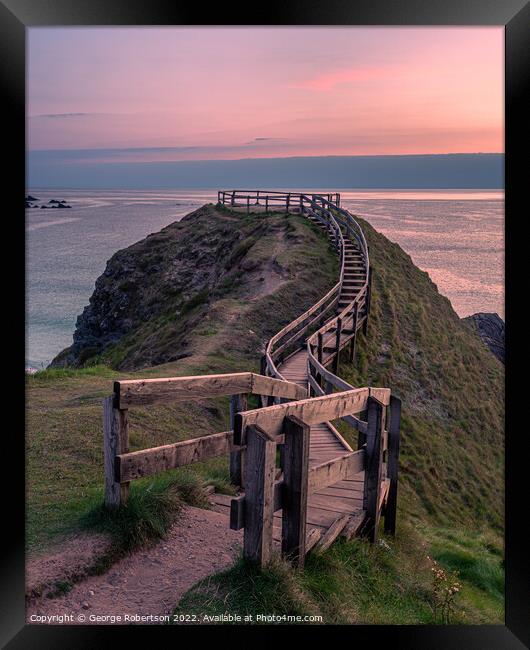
{"points": [[150, 581]]}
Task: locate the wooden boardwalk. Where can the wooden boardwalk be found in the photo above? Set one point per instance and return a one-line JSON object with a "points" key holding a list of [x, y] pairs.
{"points": [[337, 508], [330, 504], [321, 488]]}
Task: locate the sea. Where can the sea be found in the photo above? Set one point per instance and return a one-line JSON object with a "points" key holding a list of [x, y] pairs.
{"points": [[457, 236]]}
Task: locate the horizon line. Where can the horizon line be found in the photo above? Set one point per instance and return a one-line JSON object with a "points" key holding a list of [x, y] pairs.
{"points": [[352, 155]]}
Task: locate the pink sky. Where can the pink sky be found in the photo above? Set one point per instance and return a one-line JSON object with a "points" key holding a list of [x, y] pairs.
{"points": [[223, 93]]}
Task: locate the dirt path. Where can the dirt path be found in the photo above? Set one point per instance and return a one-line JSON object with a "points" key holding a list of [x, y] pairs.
{"points": [[150, 582]]}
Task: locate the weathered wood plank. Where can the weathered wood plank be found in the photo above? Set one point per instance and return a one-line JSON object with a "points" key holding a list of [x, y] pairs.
{"points": [[295, 464], [238, 403], [312, 411], [335, 470], [312, 538], [393, 464], [262, 385], [338, 437], [354, 337], [373, 471], [329, 376], [259, 482], [318, 390], [332, 533], [336, 490], [358, 424], [368, 300], [320, 517], [381, 395], [137, 392], [385, 484], [354, 524], [237, 506], [337, 504], [115, 441], [138, 464], [336, 359], [354, 491]]}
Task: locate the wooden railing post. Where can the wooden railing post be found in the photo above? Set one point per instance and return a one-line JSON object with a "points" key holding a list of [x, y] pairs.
{"points": [[354, 328], [115, 442], [368, 301], [320, 348], [288, 201], [337, 346], [260, 470], [263, 365], [392, 464], [373, 467], [238, 403], [295, 464], [267, 203]]}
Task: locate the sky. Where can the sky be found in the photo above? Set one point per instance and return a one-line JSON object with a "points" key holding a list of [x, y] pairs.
{"points": [[141, 95]]}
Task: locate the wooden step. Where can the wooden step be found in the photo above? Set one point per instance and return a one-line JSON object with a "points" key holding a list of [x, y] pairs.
{"points": [[345, 331]]}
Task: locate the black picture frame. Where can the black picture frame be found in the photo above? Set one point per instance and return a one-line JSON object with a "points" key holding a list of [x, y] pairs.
{"points": [[15, 17]]}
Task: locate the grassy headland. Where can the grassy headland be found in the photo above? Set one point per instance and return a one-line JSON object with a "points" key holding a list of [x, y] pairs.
{"points": [[223, 283]]}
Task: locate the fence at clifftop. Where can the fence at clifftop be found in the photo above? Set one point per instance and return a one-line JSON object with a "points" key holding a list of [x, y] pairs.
{"points": [[321, 487]]}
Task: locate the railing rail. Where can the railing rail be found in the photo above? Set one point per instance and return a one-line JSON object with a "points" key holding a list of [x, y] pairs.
{"points": [[122, 466]]}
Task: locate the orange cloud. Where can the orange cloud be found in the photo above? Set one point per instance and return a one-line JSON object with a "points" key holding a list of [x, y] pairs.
{"points": [[329, 80]]}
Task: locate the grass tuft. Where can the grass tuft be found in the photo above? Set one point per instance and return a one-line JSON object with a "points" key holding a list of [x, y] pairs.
{"points": [[246, 590], [149, 513], [146, 517]]}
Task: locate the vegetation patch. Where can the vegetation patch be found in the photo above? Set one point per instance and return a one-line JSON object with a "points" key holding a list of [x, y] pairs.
{"points": [[389, 583], [147, 516]]}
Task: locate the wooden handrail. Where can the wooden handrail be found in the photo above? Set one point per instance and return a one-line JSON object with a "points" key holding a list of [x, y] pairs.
{"points": [[313, 410], [136, 392]]}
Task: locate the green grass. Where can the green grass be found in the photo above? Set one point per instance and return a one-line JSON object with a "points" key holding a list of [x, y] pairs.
{"points": [[149, 512], [389, 583], [478, 558], [246, 590], [452, 392], [56, 374]]}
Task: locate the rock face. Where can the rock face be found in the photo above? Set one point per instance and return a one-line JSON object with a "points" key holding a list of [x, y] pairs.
{"points": [[156, 297], [490, 328], [164, 275]]}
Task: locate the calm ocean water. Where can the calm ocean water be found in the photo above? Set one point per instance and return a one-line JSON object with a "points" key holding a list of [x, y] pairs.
{"points": [[456, 236]]}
